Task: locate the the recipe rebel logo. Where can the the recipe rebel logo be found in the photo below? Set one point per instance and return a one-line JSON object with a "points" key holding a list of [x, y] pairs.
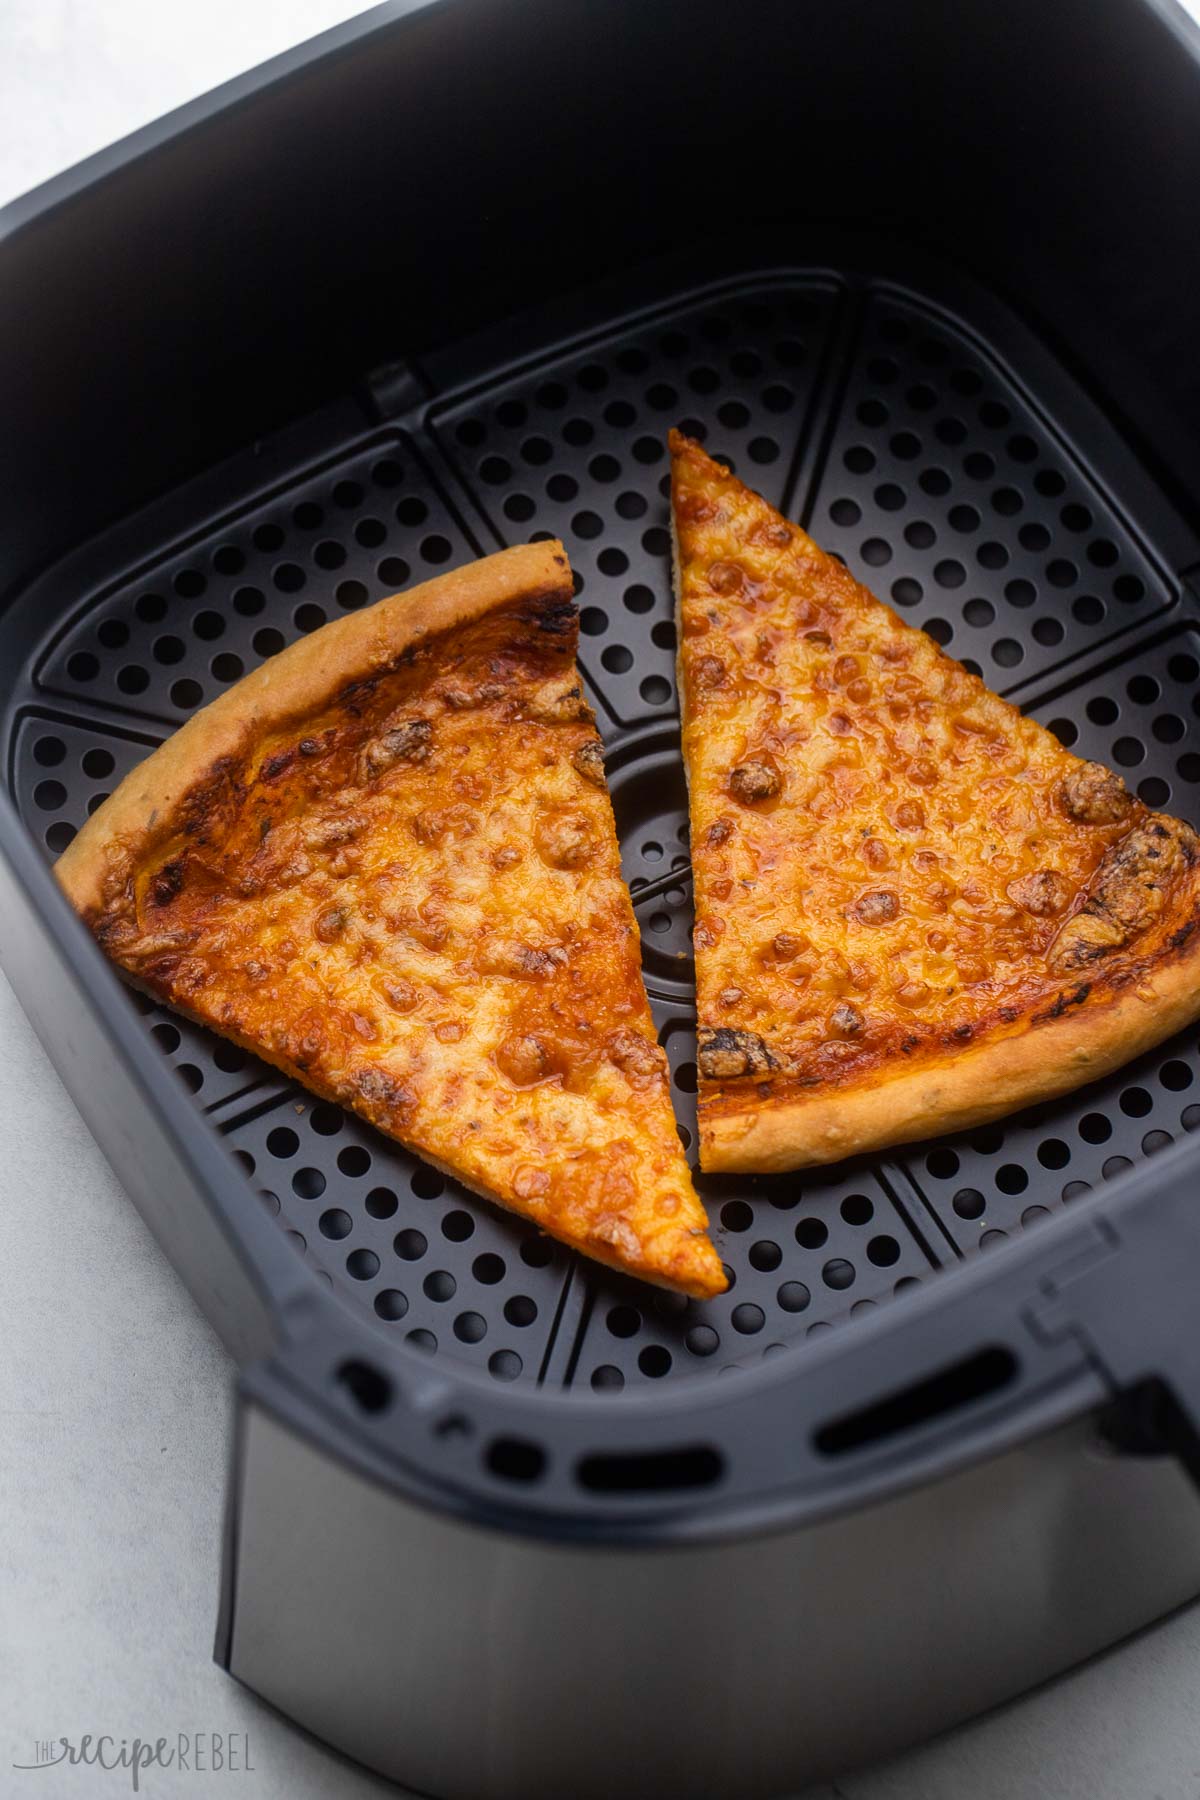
{"points": [[195, 1752]]}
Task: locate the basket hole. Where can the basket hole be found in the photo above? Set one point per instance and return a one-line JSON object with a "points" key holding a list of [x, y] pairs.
{"points": [[391, 1304], [1011, 1178], [793, 1296], [381, 1203], [537, 1252], [765, 1255]]}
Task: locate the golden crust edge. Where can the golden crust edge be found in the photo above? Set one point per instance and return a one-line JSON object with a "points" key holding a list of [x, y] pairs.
{"points": [[965, 1088], [288, 687]]}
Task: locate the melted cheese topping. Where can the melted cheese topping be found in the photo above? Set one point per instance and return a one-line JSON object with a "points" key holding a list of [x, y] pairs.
{"points": [[414, 904], [890, 861]]}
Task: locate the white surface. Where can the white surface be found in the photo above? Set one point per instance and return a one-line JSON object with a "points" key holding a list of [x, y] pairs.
{"points": [[114, 1395]]}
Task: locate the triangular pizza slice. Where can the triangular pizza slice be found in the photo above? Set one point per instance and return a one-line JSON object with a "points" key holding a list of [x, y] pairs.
{"points": [[915, 910], [386, 862]]}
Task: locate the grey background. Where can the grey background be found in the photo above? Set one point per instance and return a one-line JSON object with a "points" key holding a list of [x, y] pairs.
{"points": [[115, 1396]]}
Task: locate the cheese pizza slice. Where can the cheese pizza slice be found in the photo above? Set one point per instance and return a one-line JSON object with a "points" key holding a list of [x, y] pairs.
{"points": [[915, 911], [385, 861]]}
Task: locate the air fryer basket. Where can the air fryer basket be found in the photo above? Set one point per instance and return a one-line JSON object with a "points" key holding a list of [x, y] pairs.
{"points": [[874, 410], [960, 1313]]}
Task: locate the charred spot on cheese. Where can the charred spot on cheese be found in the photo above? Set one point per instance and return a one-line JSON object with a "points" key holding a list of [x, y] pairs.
{"points": [[719, 833], [754, 780], [638, 1058], [709, 672], [564, 840], [727, 578], [1129, 892], [401, 995], [556, 617], [558, 704], [913, 993], [540, 962], [786, 945], [410, 742], [1093, 795], [588, 761], [504, 956], [725, 1054], [166, 884], [696, 508], [332, 833], [1043, 893], [730, 996], [376, 1087], [874, 853], [465, 696], [331, 923], [845, 1021], [272, 767], [878, 907], [526, 1058]]}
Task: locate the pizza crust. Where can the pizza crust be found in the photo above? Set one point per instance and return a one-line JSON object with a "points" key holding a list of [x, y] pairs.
{"points": [[288, 688], [965, 1088]]}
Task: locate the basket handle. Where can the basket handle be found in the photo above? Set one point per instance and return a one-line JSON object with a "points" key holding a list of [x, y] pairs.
{"points": [[1131, 1303]]}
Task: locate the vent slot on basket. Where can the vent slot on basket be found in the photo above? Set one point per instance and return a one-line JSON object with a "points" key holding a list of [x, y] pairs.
{"points": [[652, 1471], [950, 1389]]}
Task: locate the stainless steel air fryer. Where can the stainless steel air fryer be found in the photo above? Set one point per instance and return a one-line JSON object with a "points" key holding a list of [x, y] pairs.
{"points": [[502, 1523]]}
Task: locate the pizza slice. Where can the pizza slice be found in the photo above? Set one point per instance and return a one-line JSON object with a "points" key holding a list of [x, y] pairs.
{"points": [[915, 911], [386, 862]]}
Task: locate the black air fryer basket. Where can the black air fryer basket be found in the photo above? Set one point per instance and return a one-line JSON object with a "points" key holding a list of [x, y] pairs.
{"points": [[502, 1522]]}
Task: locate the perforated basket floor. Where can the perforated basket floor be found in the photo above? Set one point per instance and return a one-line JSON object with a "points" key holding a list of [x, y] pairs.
{"points": [[912, 448]]}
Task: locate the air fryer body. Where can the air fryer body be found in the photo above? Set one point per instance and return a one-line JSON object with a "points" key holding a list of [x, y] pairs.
{"points": [[485, 1666], [502, 1523]]}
